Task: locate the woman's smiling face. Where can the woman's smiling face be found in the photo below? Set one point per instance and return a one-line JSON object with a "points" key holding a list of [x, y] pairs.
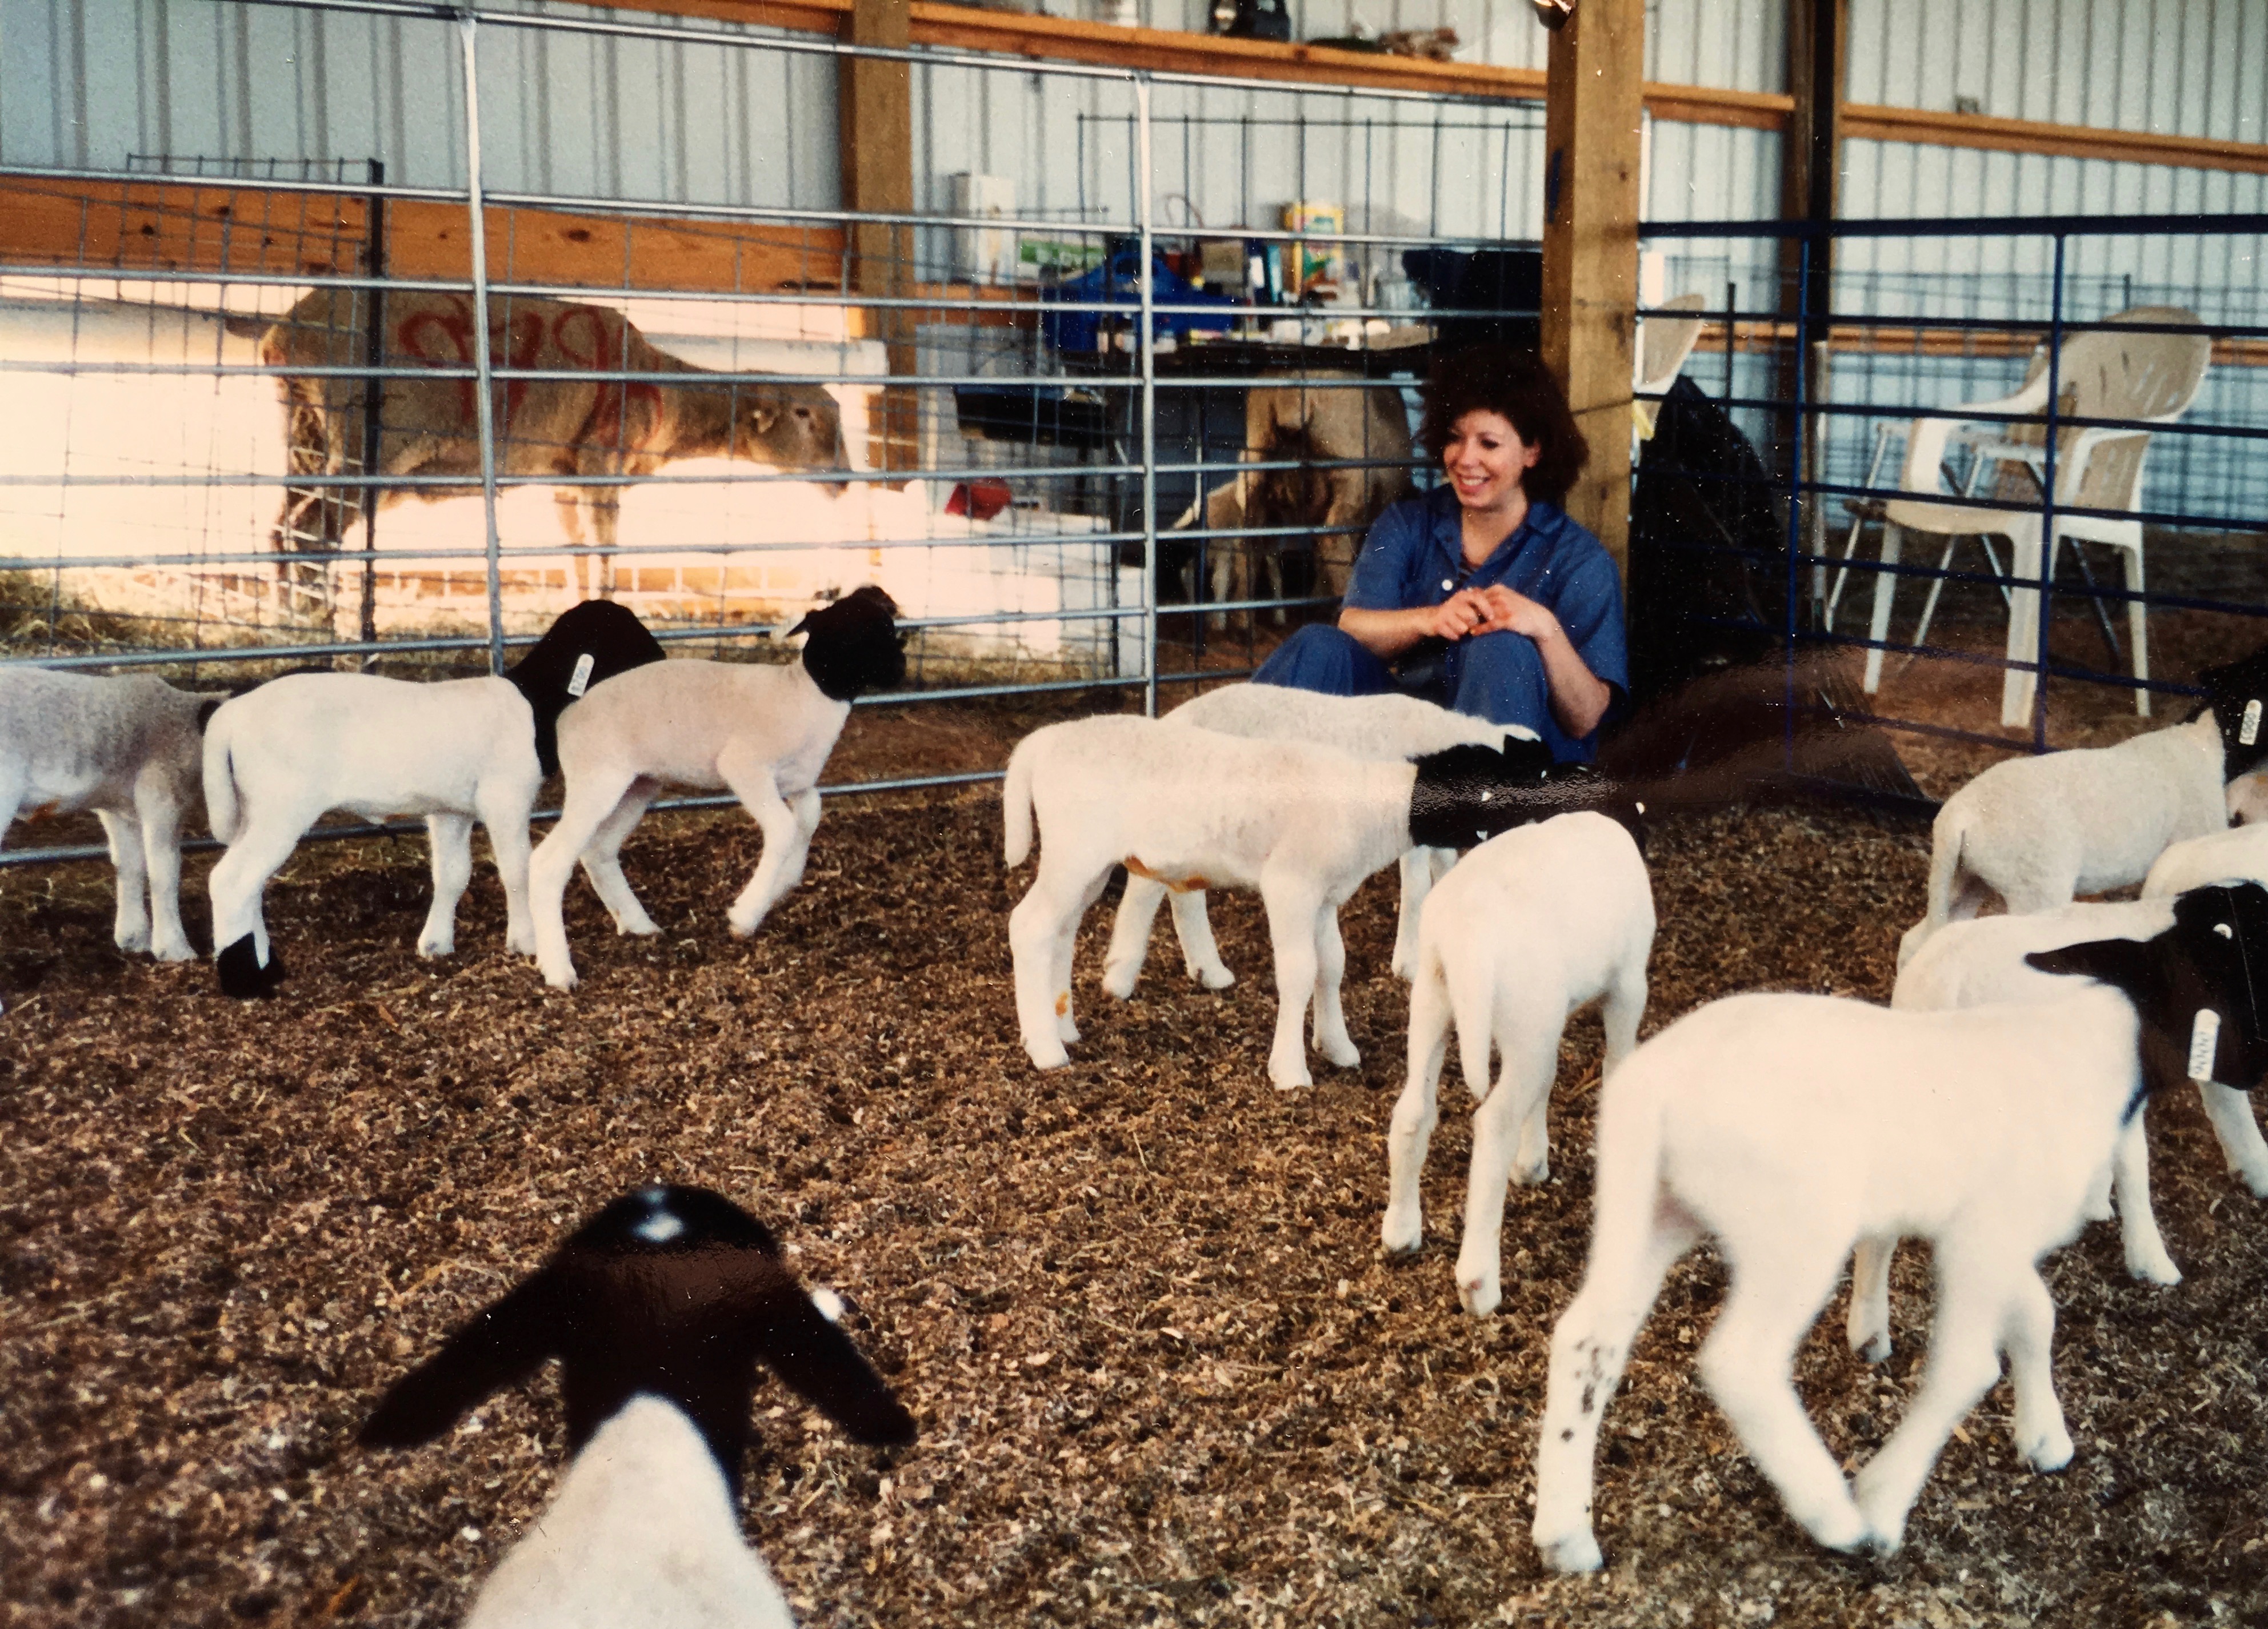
{"points": [[1485, 459]]}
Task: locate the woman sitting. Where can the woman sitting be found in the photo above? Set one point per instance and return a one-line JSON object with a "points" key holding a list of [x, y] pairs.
{"points": [[1482, 595]]}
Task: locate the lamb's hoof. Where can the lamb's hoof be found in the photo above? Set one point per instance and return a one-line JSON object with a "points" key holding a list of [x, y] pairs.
{"points": [[1342, 1055], [242, 973], [1874, 1348], [2256, 1181], [2158, 1269], [1482, 1292], [433, 950], [1532, 1176], [1576, 1554], [1882, 1529], [643, 927], [1118, 987], [522, 945], [1046, 1057], [1285, 1080], [132, 944], [560, 975], [2047, 1450], [176, 950], [1214, 977], [1403, 1233]]}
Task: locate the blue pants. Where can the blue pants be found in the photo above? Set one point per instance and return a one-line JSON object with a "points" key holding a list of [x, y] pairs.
{"points": [[1496, 676]]}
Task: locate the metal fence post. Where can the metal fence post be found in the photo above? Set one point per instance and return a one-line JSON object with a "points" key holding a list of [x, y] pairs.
{"points": [[483, 378], [1148, 351]]}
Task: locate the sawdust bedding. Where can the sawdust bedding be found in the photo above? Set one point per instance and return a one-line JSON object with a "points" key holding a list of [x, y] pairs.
{"points": [[1138, 1305]]}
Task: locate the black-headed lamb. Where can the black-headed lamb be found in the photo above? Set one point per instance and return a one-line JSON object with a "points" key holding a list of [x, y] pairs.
{"points": [[658, 1310], [762, 731], [129, 748], [1791, 1127], [1194, 809], [1531, 927], [279, 757], [2038, 832], [1385, 728]]}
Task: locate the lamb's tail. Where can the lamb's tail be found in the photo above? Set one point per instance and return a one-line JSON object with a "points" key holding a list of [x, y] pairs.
{"points": [[222, 808], [1947, 838], [1471, 978], [1016, 806]]}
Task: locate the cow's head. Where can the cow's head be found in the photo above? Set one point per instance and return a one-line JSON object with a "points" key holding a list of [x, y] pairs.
{"points": [[791, 427]]}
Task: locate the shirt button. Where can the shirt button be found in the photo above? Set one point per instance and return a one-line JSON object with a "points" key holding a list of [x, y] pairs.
{"points": [[1447, 584]]}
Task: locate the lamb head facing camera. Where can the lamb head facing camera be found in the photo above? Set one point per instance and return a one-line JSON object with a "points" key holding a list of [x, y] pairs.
{"points": [[658, 1309]]}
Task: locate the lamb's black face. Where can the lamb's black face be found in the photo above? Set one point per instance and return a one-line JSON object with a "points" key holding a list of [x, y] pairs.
{"points": [[2238, 695], [855, 645], [589, 644], [2213, 960], [670, 1292]]}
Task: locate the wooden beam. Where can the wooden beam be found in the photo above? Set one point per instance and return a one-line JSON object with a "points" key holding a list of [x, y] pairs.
{"points": [[1811, 156], [1867, 121], [1590, 247], [168, 226], [876, 102]]}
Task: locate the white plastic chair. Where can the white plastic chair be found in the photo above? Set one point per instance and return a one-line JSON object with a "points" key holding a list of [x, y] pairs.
{"points": [[2105, 374], [1664, 343]]}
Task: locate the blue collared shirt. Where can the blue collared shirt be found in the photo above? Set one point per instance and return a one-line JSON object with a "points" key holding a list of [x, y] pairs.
{"points": [[1415, 552]]}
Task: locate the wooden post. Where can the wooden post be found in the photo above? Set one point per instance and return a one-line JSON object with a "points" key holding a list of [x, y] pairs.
{"points": [[1811, 173], [875, 102], [1590, 245]]}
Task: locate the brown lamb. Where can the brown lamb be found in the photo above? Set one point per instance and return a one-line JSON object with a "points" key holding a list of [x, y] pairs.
{"points": [[1291, 422], [604, 426]]}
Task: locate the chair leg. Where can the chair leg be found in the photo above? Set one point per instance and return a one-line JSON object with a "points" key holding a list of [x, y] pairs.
{"points": [[1885, 589], [2138, 632], [2023, 631], [1937, 584]]}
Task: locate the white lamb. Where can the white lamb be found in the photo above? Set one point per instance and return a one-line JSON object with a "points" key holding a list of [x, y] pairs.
{"points": [[762, 731], [1380, 727], [1981, 963], [277, 758], [2038, 832], [128, 749], [1531, 927], [1191, 808], [645, 1528], [1792, 1127], [2238, 855]]}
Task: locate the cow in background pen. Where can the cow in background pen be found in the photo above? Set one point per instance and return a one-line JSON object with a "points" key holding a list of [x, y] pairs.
{"points": [[605, 426]]}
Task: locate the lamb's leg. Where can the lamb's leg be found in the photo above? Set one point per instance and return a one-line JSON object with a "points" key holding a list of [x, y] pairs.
{"points": [[604, 505], [602, 860], [2029, 1336], [130, 925], [1622, 1011], [451, 836], [503, 812], [748, 773], [239, 877], [592, 797], [1272, 561], [1972, 1306], [1868, 1325], [1415, 1112], [2138, 1222], [1590, 1347], [161, 850], [1043, 922], [1130, 936], [1331, 1037], [1523, 1088], [1193, 932], [1748, 1365], [1293, 905], [2240, 1143], [1416, 883]]}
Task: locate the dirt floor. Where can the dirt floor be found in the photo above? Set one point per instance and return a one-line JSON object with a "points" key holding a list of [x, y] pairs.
{"points": [[1163, 1373]]}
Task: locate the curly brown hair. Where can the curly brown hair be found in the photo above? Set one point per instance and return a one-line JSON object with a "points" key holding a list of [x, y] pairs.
{"points": [[1496, 379]]}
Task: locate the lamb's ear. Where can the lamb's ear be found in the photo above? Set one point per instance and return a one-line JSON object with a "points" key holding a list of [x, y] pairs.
{"points": [[2123, 962], [503, 1344], [819, 1363]]}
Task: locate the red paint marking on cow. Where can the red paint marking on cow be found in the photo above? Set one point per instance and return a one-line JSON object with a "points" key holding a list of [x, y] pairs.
{"points": [[523, 340], [608, 422]]}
